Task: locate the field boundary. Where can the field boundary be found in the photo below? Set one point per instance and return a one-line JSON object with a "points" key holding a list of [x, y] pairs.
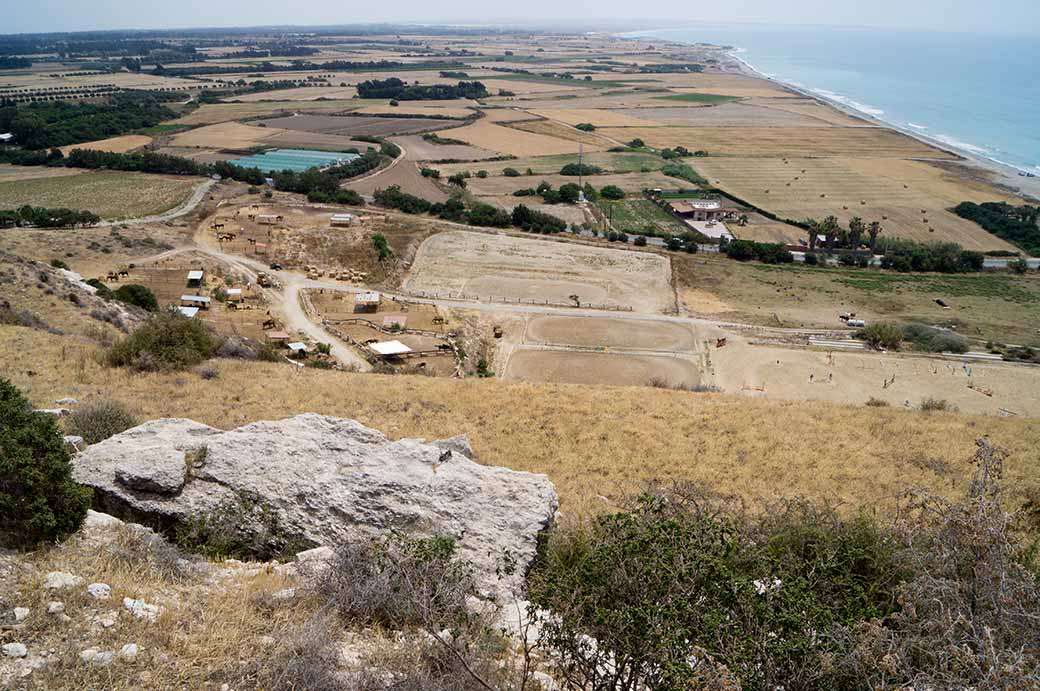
{"points": [[462, 297]]}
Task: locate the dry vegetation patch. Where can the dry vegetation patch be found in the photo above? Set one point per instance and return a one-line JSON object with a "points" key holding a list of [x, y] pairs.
{"points": [[109, 194]]}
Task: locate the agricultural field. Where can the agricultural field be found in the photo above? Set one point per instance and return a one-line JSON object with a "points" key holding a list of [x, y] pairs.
{"points": [[600, 369], [901, 194], [510, 141], [873, 142], [9, 173], [111, 195], [609, 333], [500, 267], [629, 182], [405, 175], [303, 94], [612, 162], [591, 140], [352, 125], [216, 113], [635, 214], [744, 114], [988, 306], [116, 145], [418, 149], [226, 135]]}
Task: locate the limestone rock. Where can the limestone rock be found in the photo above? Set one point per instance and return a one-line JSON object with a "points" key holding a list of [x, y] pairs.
{"points": [[55, 607], [58, 580], [129, 651], [327, 480], [141, 609], [99, 591], [93, 656], [20, 613], [15, 650]]}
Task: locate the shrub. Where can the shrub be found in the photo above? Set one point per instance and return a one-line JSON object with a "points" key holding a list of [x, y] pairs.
{"points": [[637, 144], [876, 403], [576, 169], [382, 247], [511, 173], [167, 341], [137, 295], [399, 581], [811, 259], [482, 174], [640, 241], [349, 198], [612, 192], [59, 264], [39, 500], [458, 180], [684, 575], [243, 528], [585, 127], [103, 291], [99, 420], [930, 405], [881, 335], [935, 340], [431, 173]]}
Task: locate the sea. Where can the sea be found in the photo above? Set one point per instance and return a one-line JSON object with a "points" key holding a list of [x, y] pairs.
{"points": [[979, 93]]}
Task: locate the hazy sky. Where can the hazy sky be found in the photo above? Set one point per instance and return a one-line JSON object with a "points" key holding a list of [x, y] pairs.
{"points": [[72, 15]]}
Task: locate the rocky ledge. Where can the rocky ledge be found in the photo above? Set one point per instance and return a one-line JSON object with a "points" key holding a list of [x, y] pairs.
{"points": [[323, 480]]}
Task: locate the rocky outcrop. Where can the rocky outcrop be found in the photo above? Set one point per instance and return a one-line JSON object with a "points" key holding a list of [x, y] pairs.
{"points": [[326, 480]]}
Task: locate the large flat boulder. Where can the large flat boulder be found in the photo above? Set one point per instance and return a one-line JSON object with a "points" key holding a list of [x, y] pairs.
{"points": [[326, 480]]}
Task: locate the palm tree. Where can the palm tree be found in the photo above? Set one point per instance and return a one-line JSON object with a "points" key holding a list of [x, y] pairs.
{"points": [[856, 228], [873, 230], [830, 228], [812, 227]]}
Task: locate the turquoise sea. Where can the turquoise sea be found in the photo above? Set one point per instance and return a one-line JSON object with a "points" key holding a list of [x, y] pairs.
{"points": [[976, 92]]}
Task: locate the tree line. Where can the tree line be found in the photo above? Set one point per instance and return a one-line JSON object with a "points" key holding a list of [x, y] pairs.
{"points": [[1016, 224], [40, 217], [61, 123], [396, 89]]}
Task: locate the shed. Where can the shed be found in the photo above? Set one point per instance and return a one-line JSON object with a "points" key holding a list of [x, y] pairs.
{"points": [[233, 294], [367, 302], [279, 336], [6, 138], [195, 278], [188, 312], [390, 348], [268, 219], [195, 301], [298, 349], [342, 219]]}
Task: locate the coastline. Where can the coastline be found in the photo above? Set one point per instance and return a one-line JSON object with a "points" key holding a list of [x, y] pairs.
{"points": [[1003, 176]]}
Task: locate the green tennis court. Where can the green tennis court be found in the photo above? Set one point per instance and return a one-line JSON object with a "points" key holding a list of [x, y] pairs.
{"points": [[296, 160]]}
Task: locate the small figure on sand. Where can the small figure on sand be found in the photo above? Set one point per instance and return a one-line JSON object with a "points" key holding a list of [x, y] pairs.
{"points": [[811, 377]]}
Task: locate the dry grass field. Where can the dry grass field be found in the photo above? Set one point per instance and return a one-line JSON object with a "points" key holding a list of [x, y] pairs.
{"points": [[215, 113], [600, 369], [608, 333], [591, 441], [872, 142], [226, 135], [594, 116], [116, 145], [713, 83], [1001, 307], [111, 195], [591, 140], [742, 114], [809, 108], [434, 109], [901, 194], [406, 176], [510, 141], [9, 173], [304, 93], [632, 183], [352, 125], [418, 149], [504, 267]]}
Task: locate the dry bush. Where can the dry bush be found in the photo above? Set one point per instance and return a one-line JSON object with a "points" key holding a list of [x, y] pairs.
{"points": [[970, 615], [98, 420], [931, 405]]}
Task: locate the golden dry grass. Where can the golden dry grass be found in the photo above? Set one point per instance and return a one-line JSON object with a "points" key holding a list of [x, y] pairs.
{"points": [[591, 441], [226, 135], [591, 140], [595, 116], [867, 142], [109, 194], [892, 191], [9, 173], [213, 113], [115, 145], [506, 140]]}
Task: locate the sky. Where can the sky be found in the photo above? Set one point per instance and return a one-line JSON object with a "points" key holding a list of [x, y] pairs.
{"points": [[996, 16]]}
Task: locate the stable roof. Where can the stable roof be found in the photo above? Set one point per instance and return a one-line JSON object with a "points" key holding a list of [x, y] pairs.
{"points": [[6, 137], [188, 312], [195, 298], [277, 336], [233, 292], [390, 348], [196, 275], [298, 347], [367, 298]]}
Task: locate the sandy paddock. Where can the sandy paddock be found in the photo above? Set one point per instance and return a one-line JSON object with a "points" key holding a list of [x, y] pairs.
{"points": [[565, 367], [501, 267]]}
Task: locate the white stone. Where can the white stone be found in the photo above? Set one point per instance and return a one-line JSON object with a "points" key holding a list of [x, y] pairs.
{"points": [[331, 480], [56, 580], [55, 607], [99, 591], [268, 641], [100, 520], [93, 656], [66, 401], [15, 650], [129, 651], [545, 681], [283, 595], [20, 613], [141, 609]]}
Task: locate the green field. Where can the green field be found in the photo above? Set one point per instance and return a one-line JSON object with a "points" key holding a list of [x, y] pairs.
{"points": [[697, 98], [636, 215], [111, 195]]}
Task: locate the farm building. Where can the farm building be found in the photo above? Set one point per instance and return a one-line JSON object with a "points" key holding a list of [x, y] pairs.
{"points": [[234, 294], [343, 219], [390, 349], [6, 138], [195, 301], [702, 209], [195, 278], [298, 349], [268, 219], [277, 337], [188, 312], [367, 302]]}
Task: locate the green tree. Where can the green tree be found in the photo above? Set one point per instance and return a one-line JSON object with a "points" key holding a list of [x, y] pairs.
{"points": [[382, 247], [612, 192], [39, 500], [137, 295], [873, 231]]}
